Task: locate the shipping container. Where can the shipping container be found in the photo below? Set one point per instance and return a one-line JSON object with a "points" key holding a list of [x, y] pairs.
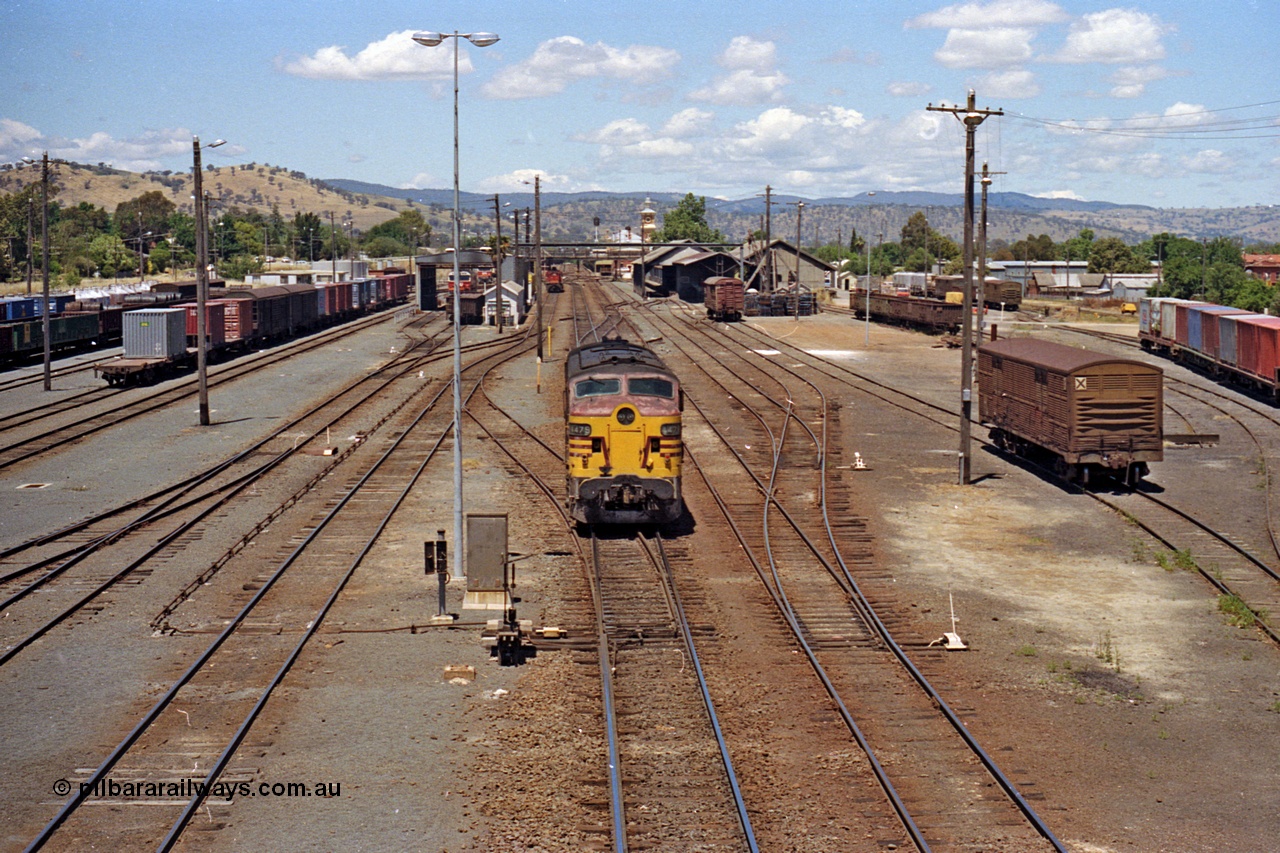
{"points": [[1258, 348], [1228, 336], [155, 333], [1209, 317], [18, 307], [215, 325]]}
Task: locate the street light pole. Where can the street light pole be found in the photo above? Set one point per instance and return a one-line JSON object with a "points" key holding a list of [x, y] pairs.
{"points": [[202, 279], [44, 263], [431, 39]]}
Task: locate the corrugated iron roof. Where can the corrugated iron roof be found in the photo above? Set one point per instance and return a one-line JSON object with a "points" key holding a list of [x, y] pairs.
{"points": [[1056, 357]]}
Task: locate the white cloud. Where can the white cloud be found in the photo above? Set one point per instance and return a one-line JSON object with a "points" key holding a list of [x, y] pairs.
{"points": [[1068, 194], [420, 181], [907, 89], [1000, 13], [746, 53], [146, 152], [1010, 84], [1209, 161], [1131, 81], [993, 47], [690, 122], [521, 181], [742, 88], [396, 57], [563, 60], [752, 78], [623, 131], [15, 138], [1114, 36]]}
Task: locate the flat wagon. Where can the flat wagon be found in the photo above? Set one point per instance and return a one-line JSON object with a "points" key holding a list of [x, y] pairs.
{"points": [[1091, 413]]}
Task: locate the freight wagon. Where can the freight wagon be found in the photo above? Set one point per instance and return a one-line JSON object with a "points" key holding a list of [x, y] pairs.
{"points": [[932, 315], [68, 331], [1091, 414], [997, 293], [1228, 344], [723, 297]]}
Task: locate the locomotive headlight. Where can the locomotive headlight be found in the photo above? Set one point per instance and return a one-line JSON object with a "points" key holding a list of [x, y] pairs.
{"points": [[579, 429], [671, 430], [626, 417]]}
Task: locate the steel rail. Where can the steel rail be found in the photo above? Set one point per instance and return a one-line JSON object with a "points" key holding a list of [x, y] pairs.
{"points": [[175, 503], [181, 391], [948, 713], [167, 698], [141, 727], [663, 564]]}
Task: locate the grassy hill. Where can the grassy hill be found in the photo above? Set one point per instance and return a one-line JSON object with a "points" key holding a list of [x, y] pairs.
{"points": [[252, 186], [570, 216]]}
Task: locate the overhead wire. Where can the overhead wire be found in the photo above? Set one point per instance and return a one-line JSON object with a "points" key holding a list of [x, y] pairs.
{"points": [[1177, 125]]}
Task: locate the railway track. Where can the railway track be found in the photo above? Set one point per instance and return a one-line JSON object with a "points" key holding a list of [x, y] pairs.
{"points": [[102, 553], [669, 774], [940, 780], [33, 445], [231, 681]]}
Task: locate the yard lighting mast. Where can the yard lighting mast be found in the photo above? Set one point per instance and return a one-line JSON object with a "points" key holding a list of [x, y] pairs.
{"points": [[431, 39], [202, 278]]}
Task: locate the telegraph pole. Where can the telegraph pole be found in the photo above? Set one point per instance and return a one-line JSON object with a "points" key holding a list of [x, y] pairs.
{"points": [[971, 116], [768, 238], [537, 263], [982, 254], [499, 304]]}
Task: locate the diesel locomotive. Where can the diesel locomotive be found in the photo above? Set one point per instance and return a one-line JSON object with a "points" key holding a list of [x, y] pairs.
{"points": [[623, 445]]}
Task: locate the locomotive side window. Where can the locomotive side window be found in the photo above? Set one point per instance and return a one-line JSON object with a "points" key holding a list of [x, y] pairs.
{"points": [[597, 387], [645, 386]]}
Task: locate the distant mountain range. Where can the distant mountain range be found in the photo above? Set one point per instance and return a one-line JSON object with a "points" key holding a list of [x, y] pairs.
{"points": [[754, 205], [1011, 216]]}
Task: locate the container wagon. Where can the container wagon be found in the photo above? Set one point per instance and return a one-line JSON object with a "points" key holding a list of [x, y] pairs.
{"points": [[1092, 414], [155, 344], [1227, 344]]}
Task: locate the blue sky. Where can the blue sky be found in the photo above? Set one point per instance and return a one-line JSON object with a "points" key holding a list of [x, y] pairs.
{"points": [[1170, 104]]}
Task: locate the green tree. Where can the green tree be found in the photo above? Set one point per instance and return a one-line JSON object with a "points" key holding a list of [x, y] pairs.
{"points": [[110, 255], [148, 212], [1078, 247], [1111, 254], [1030, 248], [687, 221], [309, 234]]}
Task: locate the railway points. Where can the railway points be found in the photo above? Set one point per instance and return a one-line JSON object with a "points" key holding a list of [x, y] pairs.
{"points": [[1074, 683]]}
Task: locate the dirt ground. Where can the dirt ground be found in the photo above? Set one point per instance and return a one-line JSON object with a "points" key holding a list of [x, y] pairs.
{"points": [[1116, 684]]}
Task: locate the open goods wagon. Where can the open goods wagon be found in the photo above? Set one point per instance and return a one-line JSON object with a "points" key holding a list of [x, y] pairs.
{"points": [[1093, 414], [932, 315]]}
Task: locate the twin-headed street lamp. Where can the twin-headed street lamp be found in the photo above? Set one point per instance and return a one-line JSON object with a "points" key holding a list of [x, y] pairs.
{"points": [[430, 39]]}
